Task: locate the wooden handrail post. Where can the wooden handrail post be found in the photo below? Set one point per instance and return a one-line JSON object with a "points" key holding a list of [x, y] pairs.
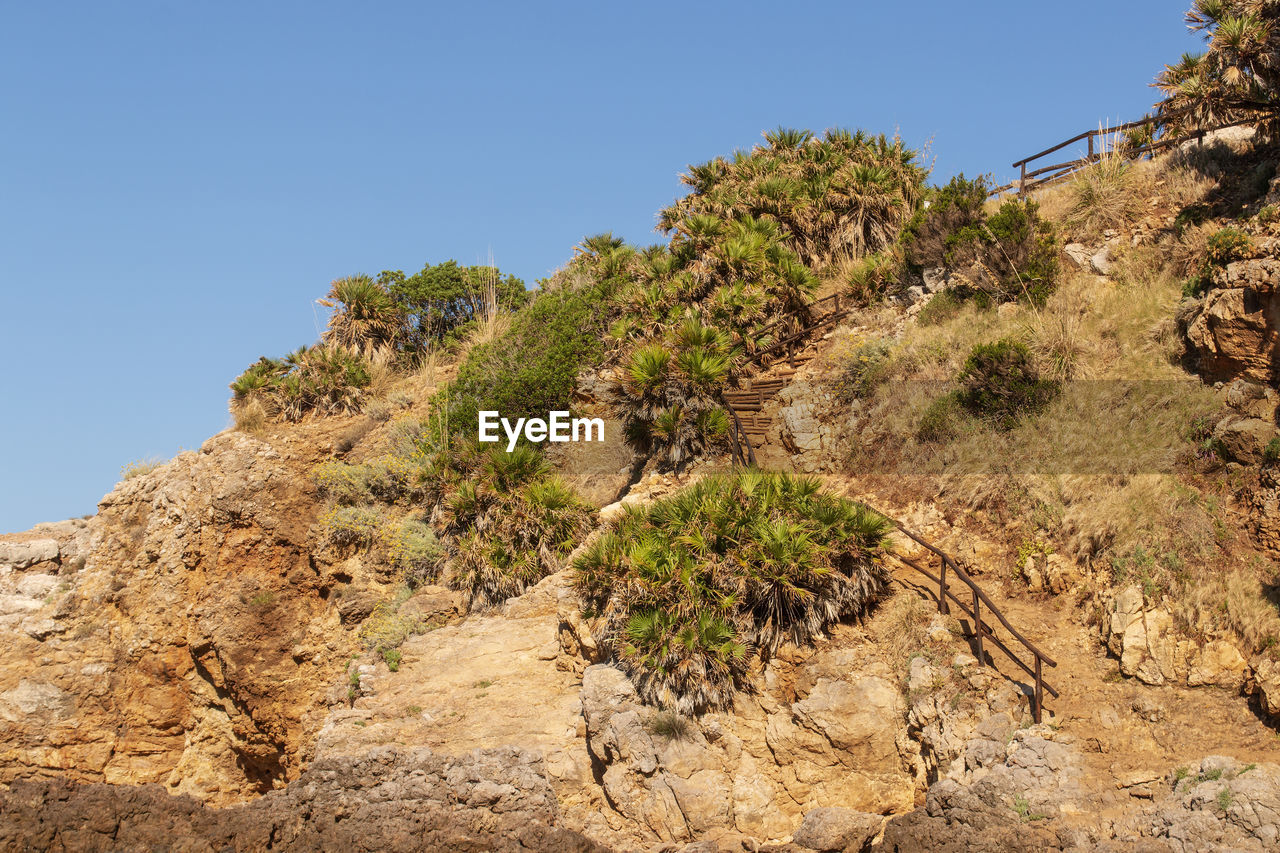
{"points": [[1022, 182], [977, 626], [1039, 698], [1090, 147], [942, 589]]}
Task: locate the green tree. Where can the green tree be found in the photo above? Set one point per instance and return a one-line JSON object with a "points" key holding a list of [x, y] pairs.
{"points": [[442, 298]]}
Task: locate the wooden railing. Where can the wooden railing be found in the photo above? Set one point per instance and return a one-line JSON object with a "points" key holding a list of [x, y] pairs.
{"points": [[983, 633], [1097, 141], [804, 330], [743, 454]]}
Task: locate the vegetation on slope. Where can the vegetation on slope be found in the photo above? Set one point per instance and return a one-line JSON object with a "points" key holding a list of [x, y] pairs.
{"points": [[1237, 78], [694, 586], [748, 244]]}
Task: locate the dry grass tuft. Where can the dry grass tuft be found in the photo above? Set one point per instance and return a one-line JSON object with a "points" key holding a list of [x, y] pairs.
{"points": [[1104, 196], [1234, 601], [251, 416]]}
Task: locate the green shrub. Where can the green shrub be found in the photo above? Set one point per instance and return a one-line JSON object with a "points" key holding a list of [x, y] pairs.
{"points": [[693, 585], [864, 370], [395, 478], [1223, 247], [386, 628], [414, 552], [351, 525], [342, 482], [443, 299], [1009, 255], [930, 237], [392, 657], [944, 306], [1000, 383], [1271, 454], [1227, 245], [942, 420], [532, 369]]}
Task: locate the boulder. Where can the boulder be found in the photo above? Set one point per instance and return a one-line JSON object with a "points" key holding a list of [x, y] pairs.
{"points": [[935, 279], [1102, 261], [1253, 399], [22, 555], [1078, 254], [834, 828], [1243, 439], [1217, 663]]}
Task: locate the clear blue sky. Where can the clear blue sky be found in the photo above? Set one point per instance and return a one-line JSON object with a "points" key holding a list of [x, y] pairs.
{"points": [[179, 181]]}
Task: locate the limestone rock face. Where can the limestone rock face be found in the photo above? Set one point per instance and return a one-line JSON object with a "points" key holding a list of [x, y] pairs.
{"points": [[1218, 663], [1234, 331], [1144, 641], [758, 769], [181, 636], [1263, 500], [1266, 680], [390, 799], [1032, 773]]}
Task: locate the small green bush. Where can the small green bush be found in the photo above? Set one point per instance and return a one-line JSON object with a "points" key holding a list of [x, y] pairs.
{"points": [[344, 483], [1223, 247], [865, 370], [942, 420], [930, 237], [1000, 383], [386, 628], [532, 369], [392, 657], [1271, 453], [1227, 245], [351, 525], [414, 552], [944, 306], [1009, 255], [442, 299]]}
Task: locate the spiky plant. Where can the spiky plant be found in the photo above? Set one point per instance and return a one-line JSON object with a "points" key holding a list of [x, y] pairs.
{"points": [[695, 585], [1236, 78], [669, 391], [509, 521], [366, 319]]}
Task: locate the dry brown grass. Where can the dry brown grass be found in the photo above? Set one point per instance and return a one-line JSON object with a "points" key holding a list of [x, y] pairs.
{"points": [[900, 625], [1234, 601], [250, 416], [1103, 196]]}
